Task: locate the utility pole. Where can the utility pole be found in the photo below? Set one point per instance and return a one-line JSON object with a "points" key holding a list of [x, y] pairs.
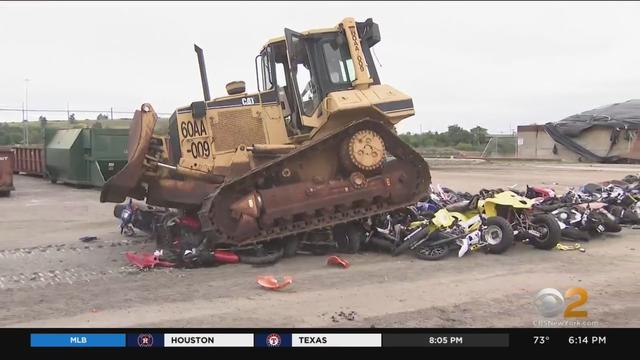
{"points": [[26, 103], [112, 113], [67, 111]]}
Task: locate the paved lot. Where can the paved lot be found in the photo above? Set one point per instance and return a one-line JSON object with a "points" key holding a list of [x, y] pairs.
{"points": [[49, 278]]}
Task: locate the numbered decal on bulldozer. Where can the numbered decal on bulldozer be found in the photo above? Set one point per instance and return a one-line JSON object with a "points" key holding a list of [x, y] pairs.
{"points": [[193, 128], [196, 141]]}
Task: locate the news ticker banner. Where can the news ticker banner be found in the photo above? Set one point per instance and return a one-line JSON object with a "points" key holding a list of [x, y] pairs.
{"points": [[267, 340], [533, 338]]}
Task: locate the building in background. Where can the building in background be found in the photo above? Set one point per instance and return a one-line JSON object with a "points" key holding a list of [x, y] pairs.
{"points": [[608, 134]]}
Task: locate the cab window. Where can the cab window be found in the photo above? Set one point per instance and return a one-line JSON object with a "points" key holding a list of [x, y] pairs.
{"points": [[338, 61]]}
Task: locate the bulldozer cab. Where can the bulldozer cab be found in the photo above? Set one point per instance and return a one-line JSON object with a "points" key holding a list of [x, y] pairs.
{"points": [[305, 67]]}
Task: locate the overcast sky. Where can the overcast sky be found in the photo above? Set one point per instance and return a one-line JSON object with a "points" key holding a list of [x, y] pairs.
{"points": [[496, 65]]}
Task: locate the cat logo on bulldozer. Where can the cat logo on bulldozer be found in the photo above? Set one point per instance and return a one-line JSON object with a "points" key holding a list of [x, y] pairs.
{"points": [[248, 101]]}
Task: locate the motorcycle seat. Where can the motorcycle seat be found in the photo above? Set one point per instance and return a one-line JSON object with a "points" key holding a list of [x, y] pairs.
{"points": [[465, 205], [460, 206]]}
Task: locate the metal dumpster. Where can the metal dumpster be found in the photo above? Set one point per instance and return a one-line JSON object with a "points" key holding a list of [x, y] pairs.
{"points": [[6, 171], [86, 156], [29, 159]]}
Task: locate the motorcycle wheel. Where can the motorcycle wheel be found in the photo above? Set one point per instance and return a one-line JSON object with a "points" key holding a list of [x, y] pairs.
{"points": [[575, 234], [611, 226], [117, 210], [262, 257], [408, 243], [291, 244], [552, 232], [381, 244], [349, 237], [498, 234], [630, 217], [432, 252]]}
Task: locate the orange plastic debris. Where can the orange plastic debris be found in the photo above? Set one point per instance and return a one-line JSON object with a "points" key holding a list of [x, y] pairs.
{"points": [[336, 260], [270, 282]]}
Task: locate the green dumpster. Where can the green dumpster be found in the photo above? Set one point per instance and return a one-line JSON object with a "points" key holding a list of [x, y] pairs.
{"points": [[87, 156]]}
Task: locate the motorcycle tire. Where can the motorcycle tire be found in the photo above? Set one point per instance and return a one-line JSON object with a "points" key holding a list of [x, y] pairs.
{"points": [[432, 253], [407, 244], [268, 258], [349, 237], [498, 246], [553, 232], [381, 244], [117, 210], [629, 217], [290, 246], [611, 226], [573, 233]]}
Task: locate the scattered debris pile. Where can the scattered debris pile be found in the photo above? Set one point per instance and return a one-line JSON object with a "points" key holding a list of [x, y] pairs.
{"points": [[444, 221]]}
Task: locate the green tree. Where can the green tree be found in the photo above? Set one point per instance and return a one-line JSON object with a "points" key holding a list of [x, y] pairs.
{"points": [[480, 135], [458, 135]]}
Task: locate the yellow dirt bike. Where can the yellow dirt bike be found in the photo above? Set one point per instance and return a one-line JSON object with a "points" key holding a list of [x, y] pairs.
{"points": [[431, 234], [539, 229]]}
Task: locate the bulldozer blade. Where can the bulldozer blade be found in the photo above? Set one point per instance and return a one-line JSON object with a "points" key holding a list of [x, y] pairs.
{"points": [[126, 182]]}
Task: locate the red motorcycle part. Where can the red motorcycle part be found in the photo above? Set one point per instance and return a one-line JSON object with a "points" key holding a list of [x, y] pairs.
{"points": [[271, 283], [146, 260], [225, 257], [336, 260], [190, 222]]}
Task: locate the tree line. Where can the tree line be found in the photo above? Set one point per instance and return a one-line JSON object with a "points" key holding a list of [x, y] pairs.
{"points": [[455, 137]]}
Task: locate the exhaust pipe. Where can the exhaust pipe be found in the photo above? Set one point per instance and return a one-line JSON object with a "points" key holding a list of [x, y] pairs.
{"points": [[203, 73]]}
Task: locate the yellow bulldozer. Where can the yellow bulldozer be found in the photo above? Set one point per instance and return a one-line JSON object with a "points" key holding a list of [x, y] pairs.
{"points": [[314, 148]]}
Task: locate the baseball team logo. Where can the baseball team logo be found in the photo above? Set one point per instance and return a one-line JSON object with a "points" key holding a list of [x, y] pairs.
{"points": [[145, 340], [273, 340]]}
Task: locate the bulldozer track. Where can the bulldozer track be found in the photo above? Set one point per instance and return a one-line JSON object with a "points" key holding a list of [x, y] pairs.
{"points": [[397, 148]]}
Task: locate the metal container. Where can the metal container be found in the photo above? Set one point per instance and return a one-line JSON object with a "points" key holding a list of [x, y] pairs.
{"points": [[86, 156], [29, 159], [6, 171]]}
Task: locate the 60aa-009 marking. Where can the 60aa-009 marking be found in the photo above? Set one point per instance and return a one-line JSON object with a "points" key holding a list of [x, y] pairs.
{"points": [[200, 149], [192, 129]]}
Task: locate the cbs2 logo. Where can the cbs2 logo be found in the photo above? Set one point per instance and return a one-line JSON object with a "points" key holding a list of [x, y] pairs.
{"points": [[550, 302]]}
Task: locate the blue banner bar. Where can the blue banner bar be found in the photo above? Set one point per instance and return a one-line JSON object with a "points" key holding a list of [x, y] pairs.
{"points": [[78, 340]]}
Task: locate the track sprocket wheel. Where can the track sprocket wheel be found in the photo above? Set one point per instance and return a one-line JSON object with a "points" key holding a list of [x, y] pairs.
{"points": [[364, 150]]}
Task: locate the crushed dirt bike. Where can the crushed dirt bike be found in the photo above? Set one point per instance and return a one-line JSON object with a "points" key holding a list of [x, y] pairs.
{"points": [[621, 206], [445, 196], [621, 202], [180, 241], [536, 192], [434, 233], [581, 221], [143, 217], [538, 229]]}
